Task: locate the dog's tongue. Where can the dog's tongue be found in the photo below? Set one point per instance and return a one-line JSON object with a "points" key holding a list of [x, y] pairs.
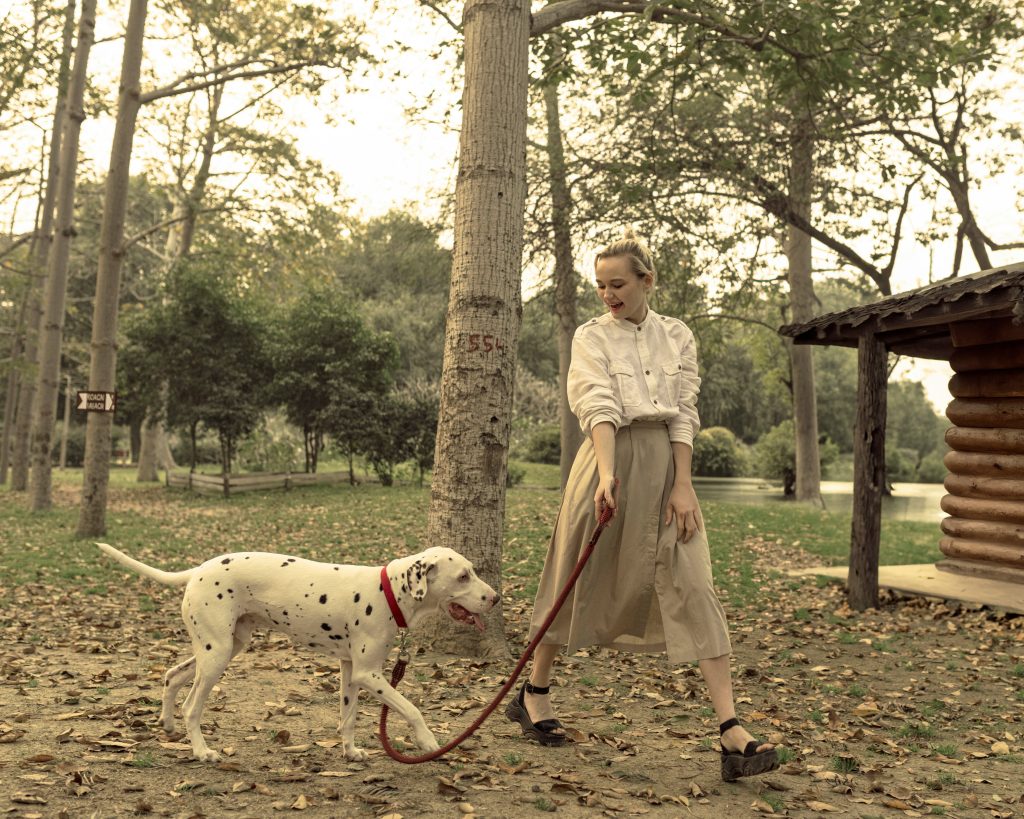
{"points": [[478, 621]]}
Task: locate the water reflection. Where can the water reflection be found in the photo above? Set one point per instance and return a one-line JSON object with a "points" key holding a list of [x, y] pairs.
{"points": [[909, 501]]}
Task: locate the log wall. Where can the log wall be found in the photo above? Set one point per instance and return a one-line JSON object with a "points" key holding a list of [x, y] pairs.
{"points": [[984, 533]]}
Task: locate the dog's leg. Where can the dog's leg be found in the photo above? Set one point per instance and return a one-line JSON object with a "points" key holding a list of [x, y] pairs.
{"points": [[374, 683], [210, 664], [173, 682], [349, 696]]}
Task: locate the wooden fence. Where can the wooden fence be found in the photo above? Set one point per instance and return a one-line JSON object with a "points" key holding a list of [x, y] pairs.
{"points": [[229, 484]]}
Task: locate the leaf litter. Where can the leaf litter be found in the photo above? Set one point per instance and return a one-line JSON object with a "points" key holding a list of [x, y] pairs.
{"points": [[914, 708]]}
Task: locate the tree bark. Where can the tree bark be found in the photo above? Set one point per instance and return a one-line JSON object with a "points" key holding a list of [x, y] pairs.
{"points": [[802, 301], [41, 248], [868, 474], [52, 323], [484, 308], [146, 472], [103, 361], [570, 435]]}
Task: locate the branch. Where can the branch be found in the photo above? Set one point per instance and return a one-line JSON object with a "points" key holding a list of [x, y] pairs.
{"points": [[138, 237], [171, 91], [441, 13], [897, 232], [13, 172], [745, 319], [25, 237]]}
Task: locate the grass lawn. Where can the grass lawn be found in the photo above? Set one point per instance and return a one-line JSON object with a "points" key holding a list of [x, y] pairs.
{"points": [[369, 523]]}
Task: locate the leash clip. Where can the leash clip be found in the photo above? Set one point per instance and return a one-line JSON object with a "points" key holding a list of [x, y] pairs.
{"points": [[403, 651]]}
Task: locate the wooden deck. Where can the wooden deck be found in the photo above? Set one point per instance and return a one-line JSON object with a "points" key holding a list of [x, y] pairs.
{"points": [[926, 580]]}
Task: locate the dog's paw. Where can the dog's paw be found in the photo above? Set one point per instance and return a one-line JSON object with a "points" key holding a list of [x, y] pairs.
{"points": [[206, 755], [427, 742], [354, 754]]}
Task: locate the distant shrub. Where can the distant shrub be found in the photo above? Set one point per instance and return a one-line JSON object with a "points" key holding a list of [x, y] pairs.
{"points": [[544, 445], [901, 464], [775, 455], [932, 470], [717, 453], [514, 476]]}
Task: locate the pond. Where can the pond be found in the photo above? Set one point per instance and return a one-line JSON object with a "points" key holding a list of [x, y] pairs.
{"points": [[909, 501]]}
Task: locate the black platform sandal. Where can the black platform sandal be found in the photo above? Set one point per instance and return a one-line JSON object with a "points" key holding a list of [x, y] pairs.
{"points": [[541, 731], [748, 762]]}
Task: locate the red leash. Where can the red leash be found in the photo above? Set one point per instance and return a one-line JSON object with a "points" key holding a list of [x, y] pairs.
{"points": [[399, 670]]}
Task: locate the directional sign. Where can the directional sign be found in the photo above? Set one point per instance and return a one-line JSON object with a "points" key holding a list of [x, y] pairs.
{"points": [[97, 401]]}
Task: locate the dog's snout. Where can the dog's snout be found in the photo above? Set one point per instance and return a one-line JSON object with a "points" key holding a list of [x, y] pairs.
{"points": [[494, 598]]}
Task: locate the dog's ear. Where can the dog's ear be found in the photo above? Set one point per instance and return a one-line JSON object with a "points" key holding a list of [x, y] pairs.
{"points": [[418, 575]]}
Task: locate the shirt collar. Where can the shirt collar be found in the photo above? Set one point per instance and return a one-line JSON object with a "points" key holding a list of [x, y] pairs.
{"points": [[628, 326]]}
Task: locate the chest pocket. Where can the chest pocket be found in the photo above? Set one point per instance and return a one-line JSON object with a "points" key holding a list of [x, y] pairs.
{"points": [[625, 382], [673, 376]]}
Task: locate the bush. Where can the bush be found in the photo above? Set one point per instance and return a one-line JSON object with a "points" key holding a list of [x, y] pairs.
{"points": [[514, 476], [717, 453], [271, 447], [932, 470], [76, 444], [207, 449], [900, 464], [775, 455], [544, 445]]}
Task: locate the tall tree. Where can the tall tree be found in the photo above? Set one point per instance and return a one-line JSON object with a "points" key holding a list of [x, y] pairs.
{"points": [[52, 322], [102, 368], [22, 385]]}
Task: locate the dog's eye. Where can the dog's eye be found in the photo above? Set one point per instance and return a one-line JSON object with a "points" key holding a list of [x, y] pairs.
{"points": [[464, 577]]}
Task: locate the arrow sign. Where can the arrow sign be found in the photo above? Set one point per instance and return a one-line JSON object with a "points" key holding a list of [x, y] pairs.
{"points": [[97, 401]]}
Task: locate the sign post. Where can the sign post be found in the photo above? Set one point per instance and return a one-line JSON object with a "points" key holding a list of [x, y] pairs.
{"points": [[97, 401]]}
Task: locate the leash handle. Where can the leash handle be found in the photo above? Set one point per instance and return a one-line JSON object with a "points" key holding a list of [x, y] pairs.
{"points": [[607, 513]]}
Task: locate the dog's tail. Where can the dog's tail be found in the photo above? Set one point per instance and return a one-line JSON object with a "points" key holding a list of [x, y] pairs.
{"points": [[167, 578]]}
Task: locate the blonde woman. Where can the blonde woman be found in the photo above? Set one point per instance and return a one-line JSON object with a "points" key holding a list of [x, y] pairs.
{"points": [[633, 385]]}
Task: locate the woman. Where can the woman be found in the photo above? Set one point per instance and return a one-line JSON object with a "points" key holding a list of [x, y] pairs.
{"points": [[633, 385]]}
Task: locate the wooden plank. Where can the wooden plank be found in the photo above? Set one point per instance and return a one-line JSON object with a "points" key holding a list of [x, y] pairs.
{"points": [[1006, 354], [988, 384], [985, 439], [985, 464], [1005, 511], [984, 530], [973, 486], [985, 331], [984, 552], [975, 569], [991, 412], [868, 473]]}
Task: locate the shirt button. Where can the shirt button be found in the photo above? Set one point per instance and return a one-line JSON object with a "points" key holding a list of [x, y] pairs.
{"points": [[647, 372], [655, 401]]}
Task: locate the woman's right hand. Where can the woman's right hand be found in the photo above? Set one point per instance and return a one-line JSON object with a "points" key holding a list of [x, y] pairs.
{"points": [[605, 495]]}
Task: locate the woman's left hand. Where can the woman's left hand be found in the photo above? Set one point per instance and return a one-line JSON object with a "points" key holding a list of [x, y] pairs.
{"points": [[683, 506]]}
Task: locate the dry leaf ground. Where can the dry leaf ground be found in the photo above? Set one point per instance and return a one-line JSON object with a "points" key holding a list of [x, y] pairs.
{"points": [[915, 708]]}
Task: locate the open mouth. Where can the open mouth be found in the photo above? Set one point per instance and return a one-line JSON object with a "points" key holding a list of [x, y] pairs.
{"points": [[464, 615]]}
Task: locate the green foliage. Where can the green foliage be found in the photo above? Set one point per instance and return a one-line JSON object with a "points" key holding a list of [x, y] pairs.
{"points": [[544, 445], [718, 453], [775, 455]]}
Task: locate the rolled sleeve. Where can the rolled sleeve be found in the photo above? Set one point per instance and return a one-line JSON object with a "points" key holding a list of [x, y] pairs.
{"points": [[684, 427], [589, 386]]}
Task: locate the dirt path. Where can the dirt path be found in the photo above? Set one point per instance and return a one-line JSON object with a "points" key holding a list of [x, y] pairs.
{"points": [[915, 708]]}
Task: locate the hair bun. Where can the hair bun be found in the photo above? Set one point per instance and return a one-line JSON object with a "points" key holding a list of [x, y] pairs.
{"points": [[629, 233]]}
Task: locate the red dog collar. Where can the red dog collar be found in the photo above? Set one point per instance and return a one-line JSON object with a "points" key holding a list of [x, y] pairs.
{"points": [[389, 594]]}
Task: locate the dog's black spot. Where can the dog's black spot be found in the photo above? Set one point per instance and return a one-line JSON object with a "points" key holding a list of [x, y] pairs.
{"points": [[337, 637], [363, 651], [231, 591], [382, 587], [247, 557], [226, 560], [285, 612], [313, 645], [200, 580], [284, 565], [325, 626], [357, 597], [216, 582], [220, 596], [337, 568], [357, 622], [291, 559], [369, 610], [323, 598], [346, 700], [209, 647], [379, 691], [403, 588]]}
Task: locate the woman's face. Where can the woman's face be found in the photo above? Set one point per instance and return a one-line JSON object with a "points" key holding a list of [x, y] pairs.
{"points": [[623, 292]]}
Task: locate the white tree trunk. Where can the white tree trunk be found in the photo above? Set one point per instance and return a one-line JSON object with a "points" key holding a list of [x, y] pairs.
{"points": [[38, 260], [103, 361], [802, 301], [150, 435], [484, 307], [52, 323]]}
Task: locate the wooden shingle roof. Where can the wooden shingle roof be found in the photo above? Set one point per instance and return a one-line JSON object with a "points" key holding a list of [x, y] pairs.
{"points": [[917, 323]]}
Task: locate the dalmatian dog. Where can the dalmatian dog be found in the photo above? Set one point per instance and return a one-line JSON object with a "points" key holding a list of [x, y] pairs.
{"points": [[349, 612]]}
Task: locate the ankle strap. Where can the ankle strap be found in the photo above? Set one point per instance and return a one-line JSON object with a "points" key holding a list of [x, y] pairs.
{"points": [[536, 689], [729, 723]]}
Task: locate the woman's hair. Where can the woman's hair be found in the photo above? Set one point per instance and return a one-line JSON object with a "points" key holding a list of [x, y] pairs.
{"points": [[637, 252]]}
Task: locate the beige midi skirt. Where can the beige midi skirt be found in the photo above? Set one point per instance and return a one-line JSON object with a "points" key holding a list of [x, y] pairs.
{"points": [[642, 589]]}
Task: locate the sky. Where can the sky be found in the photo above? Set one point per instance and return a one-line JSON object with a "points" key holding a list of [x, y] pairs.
{"points": [[388, 160]]}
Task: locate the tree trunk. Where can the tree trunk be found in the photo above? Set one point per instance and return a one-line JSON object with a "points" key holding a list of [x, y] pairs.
{"points": [[52, 324], [969, 225], [146, 472], [802, 301], [484, 308], [570, 435], [10, 408], [868, 474], [103, 362], [41, 248]]}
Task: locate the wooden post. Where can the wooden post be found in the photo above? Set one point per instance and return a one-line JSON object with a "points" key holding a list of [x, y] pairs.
{"points": [[868, 473]]}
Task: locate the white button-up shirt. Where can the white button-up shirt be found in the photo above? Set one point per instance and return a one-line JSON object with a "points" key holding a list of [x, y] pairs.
{"points": [[623, 372]]}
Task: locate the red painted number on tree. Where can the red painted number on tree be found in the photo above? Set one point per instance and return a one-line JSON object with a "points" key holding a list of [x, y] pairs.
{"points": [[484, 343]]}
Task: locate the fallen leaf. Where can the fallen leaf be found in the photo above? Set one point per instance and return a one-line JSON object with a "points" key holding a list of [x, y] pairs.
{"points": [[821, 807]]}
